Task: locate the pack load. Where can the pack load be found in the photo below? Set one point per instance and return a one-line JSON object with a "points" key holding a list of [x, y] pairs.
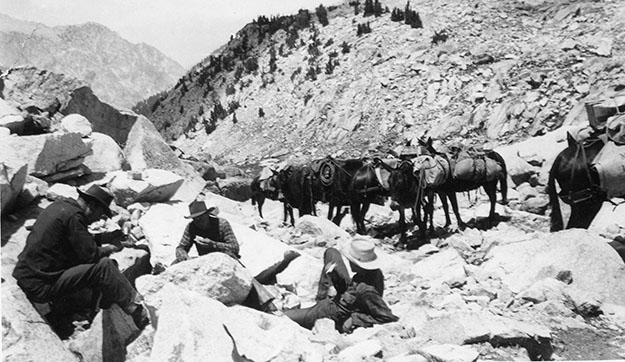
{"points": [[600, 110], [479, 168], [433, 170], [610, 165], [615, 129]]}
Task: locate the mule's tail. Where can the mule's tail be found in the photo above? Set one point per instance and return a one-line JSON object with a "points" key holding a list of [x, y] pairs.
{"points": [[556, 214], [503, 178]]}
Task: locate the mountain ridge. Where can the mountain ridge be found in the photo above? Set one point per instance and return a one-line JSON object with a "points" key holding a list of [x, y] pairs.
{"points": [[485, 72], [119, 71]]}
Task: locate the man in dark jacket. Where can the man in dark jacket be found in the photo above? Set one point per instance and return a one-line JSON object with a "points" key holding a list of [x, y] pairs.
{"points": [[358, 301], [61, 257]]}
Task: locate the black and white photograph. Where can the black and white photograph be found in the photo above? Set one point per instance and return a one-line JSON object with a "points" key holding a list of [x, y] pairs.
{"points": [[312, 181]]}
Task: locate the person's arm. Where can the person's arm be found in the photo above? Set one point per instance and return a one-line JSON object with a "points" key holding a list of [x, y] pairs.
{"points": [[182, 250], [82, 241], [371, 306], [228, 243]]}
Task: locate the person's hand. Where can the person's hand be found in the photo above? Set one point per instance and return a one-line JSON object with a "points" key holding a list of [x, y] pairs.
{"points": [[109, 249], [348, 325]]}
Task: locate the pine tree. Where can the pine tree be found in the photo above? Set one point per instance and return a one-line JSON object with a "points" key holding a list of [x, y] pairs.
{"points": [[272, 59], [322, 15]]}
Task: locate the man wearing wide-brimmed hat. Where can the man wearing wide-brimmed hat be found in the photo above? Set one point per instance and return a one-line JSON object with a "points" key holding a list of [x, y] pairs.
{"points": [[61, 257], [208, 232], [355, 274], [211, 233]]}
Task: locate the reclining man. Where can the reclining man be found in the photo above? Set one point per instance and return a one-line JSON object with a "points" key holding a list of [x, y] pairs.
{"points": [[355, 274], [359, 287], [61, 257]]}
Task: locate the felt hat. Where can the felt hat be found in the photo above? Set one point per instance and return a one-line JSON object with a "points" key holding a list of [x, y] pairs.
{"points": [[100, 195], [198, 208], [362, 253]]}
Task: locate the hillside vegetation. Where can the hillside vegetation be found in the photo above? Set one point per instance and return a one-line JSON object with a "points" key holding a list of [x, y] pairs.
{"points": [[489, 72]]}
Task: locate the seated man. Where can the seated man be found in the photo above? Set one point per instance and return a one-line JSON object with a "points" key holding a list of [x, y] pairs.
{"points": [[358, 301], [61, 257], [208, 232], [211, 233]]}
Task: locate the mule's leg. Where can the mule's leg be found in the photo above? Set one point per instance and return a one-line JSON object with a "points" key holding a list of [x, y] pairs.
{"points": [[454, 206], [491, 190], [330, 210], [402, 225], [260, 200], [583, 213], [355, 210], [363, 213], [289, 208], [443, 198], [429, 212]]}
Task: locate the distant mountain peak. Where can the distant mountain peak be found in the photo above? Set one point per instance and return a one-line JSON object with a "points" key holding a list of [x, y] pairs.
{"points": [[119, 72]]}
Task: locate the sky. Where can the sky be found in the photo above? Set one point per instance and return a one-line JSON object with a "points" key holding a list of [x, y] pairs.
{"points": [[185, 30]]}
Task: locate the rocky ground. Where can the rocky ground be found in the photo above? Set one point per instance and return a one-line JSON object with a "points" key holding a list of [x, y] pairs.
{"points": [[512, 292]]}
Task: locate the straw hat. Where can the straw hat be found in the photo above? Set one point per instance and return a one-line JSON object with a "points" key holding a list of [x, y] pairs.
{"points": [[198, 208], [100, 195], [362, 253]]}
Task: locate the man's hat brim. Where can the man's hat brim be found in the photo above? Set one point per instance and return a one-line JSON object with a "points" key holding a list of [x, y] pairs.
{"points": [[212, 212], [107, 210], [367, 265]]}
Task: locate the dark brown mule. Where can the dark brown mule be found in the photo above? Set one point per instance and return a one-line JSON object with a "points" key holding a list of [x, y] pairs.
{"points": [[452, 185], [579, 183], [296, 185], [268, 189], [335, 178], [365, 188]]}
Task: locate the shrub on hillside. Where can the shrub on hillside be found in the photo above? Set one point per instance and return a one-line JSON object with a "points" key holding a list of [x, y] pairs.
{"points": [[295, 73], [233, 106], [251, 64], [363, 29], [209, 125], [322, 15], [261, 113], [345, 47], [230, 89], [272, 59], [439, 37]]}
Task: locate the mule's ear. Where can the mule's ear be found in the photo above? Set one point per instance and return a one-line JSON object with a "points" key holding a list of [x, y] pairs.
{"points": [[570, 139]]}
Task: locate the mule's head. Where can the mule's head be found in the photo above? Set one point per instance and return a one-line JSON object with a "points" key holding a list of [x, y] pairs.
{"points": [[401, 180]]}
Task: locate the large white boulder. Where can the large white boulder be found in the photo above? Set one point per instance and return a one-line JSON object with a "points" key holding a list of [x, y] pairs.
{"points": [[193, 327], [10, 117], [594, 265], [13, 173], [150, 185], [163, 225], [106, 155], [145, 148], [76, 123], [215, 275], [25, 335], [320, 227], [46, 154]]}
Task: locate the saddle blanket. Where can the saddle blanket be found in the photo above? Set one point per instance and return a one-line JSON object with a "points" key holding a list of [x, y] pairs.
{"points": [[477, 169], [433, 169], [610, 165]]}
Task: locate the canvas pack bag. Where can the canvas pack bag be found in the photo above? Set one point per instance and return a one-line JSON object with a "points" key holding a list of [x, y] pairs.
{"points": [[610, 165], [434, 169], [477, 169]]}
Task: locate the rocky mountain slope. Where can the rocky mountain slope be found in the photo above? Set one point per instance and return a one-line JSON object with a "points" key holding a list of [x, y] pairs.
{"points": [[120, 72], [484, 71]]}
